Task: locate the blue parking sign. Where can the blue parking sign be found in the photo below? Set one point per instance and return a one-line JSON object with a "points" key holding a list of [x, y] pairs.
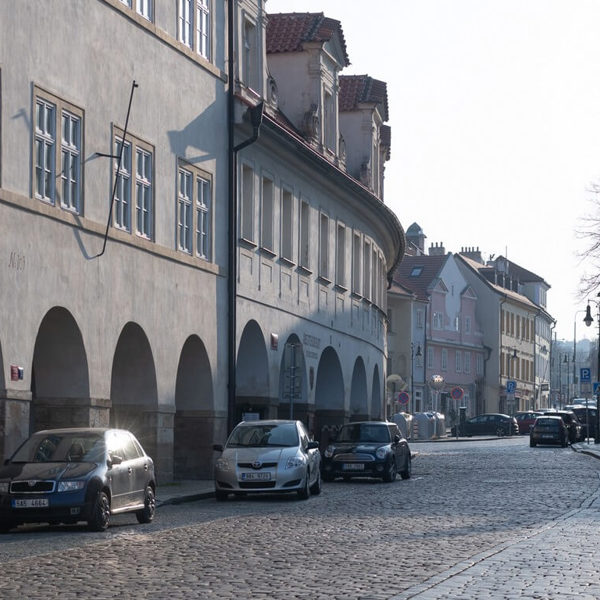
{"points": [[511, 386], [585, 375]]}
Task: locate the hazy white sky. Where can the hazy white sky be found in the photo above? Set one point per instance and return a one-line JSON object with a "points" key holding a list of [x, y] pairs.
{"points": [[495, 117]]}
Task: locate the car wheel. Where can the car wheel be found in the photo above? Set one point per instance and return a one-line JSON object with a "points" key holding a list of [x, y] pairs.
{"points": [[100, 513], [500, 432], [146, 515], [407, 472], [531, 443], [390, 471], [304, 491], [316, 486], [220, 496]]}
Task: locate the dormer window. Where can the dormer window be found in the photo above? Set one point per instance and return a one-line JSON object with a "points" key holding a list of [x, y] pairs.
{"points": [[250, 56], [329, 128]]}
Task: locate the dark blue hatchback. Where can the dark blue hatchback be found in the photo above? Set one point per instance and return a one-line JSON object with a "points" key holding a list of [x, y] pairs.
{"points": [[77, 474]]}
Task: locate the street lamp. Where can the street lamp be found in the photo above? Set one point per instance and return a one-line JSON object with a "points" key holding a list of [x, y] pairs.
{"points": [[588, 320], [566, 362], [412, 371]]}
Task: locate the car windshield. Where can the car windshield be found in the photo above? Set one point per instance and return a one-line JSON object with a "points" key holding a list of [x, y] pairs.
{"points": [[364, 432], [61, 447], [261, 435]]}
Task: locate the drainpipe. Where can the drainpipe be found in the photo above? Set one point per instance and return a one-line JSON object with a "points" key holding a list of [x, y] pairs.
{"points": [[256, 115]]}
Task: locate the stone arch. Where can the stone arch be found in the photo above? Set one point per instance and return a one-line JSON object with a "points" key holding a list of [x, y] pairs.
{"points": [[194, 413], [292, 376], [329, 395], [252, 375], [377, 396], [359, 396], [60, 386], [133, 392]]}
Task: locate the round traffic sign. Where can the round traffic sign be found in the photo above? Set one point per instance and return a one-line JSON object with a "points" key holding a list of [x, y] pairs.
{"points": [[403, 397], [457, 393]]}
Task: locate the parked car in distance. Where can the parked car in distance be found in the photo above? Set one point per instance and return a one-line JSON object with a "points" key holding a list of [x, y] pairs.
{"points": [[488, 424], [77, 474], [576, 433], [587, 416], [367, 449], [268, 456], [549, 429], [526, 419]]}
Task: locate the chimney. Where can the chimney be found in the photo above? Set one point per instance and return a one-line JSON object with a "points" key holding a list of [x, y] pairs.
{"points": [[437, 250], [472, 253]]}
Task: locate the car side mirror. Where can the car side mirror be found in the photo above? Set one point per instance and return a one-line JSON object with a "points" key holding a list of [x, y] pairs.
{"points": [[218, 447], [396, 439], [114, 459]]}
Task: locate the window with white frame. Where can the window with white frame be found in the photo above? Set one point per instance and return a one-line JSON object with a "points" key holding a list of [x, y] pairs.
{"points": [[324, 246], [356, 263], [467, 324], [287, 221], [134, 167], [430, 357], [266, 233], [57, 155], [194, 25], [467, 363], [194, 206], [479, 364], [247, 208], [340, 255], [437, 320], [329, 120], [458, 357], [420, 318], [250, 55], [367, 270], [145, 8], [304, 235], [444, 359]]}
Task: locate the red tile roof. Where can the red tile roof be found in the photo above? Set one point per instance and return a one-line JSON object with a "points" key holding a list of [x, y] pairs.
{"points": [[419, 283], [356, 89], [286, 32]]}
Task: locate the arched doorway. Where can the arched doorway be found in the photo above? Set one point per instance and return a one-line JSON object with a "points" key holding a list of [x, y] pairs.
{"points": [[252, 376], [330, 410], [376, 396], [60, 386], [134, 396], [194, 413], [359, 397], [293, 383]]}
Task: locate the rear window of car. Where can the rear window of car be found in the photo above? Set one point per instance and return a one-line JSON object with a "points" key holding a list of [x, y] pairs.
{"points": [[364, 432], [548, 423]]}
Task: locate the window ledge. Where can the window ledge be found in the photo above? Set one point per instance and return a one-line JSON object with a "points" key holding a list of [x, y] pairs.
{"points": [[340, 288], [267, 252], [323, 280], [304, 270], [286, 262], [247, 243]]}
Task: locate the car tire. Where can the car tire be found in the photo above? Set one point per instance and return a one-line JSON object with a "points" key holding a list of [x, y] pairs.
{"points": [[316, 486], [407, 472], [500, 432], [531, 443], [146, 515], [220, 496], [100, 516], [390, 471], [304, 491]]}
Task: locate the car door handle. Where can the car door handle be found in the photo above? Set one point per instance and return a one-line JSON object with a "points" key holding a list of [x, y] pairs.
{"points": [[145, 467], [129, 470]]}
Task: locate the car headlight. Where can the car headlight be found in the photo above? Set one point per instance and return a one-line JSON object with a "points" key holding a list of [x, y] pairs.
{"points": [[70, 486], [3, 487], [329, 451], [381, 452], [222, 464], [295, 461]]}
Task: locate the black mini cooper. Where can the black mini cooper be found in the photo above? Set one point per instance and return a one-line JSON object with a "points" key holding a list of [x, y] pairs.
{"points": [[367, 449]]}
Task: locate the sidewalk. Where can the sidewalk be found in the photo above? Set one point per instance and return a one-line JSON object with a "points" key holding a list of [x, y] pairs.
{"points": [[184, 491]]}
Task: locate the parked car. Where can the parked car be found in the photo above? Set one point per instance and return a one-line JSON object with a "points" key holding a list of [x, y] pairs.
{"points": [[549, 429], [268, 456], [488, 424], [576, 431], [367, 449], [526, 419], [587, 416], [77, 474]]}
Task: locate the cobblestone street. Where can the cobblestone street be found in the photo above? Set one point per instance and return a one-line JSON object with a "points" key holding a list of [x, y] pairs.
{"points": [[490, 519]]}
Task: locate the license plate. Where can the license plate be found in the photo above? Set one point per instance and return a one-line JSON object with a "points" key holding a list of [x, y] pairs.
{"points": [[256, 476], [353, 467], [547, 436], [30, 503]]}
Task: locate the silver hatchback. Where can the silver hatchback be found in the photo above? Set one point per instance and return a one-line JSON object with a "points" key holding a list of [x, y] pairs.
{"points": [[268, 456]]}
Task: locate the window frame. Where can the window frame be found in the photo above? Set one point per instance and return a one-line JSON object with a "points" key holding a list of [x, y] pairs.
{"points": [[286, 243], [194, 26]]}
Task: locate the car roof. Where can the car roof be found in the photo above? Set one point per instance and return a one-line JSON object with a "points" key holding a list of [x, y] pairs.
{"points": [[64, 430], [268, 422], [553, 417], [369, 423]]}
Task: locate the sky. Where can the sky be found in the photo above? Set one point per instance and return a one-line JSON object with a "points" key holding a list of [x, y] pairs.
{"points": [[494, 107]]}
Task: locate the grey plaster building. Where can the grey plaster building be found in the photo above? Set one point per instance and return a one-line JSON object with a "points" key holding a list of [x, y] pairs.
{"points": [[161, 272]]}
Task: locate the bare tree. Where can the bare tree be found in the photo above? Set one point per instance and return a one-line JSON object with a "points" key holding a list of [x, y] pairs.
{"points": [[590, 231]]}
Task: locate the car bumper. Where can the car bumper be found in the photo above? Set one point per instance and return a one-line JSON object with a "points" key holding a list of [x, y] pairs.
{"points": [[341, 468], [63, 507], [275, 480]]}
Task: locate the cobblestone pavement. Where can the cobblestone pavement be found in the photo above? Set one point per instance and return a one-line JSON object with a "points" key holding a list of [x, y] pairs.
{"points": [[477, 520]]}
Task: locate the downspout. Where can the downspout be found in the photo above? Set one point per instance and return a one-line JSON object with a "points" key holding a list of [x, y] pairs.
{"points": [[256, 115]]}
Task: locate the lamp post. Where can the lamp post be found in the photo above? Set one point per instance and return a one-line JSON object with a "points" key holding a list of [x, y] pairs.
{"points": [[566, 363], [588, 320], [412, 371]]}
